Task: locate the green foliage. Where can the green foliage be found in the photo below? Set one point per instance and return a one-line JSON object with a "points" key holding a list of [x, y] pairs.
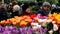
{"points": [[50, 26], [35, 8]]}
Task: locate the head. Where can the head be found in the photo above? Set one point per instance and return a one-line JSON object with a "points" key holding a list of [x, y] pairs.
{"points": [[14, 3], [16, 8], [4, 7], [25, 9], [53, 6], [46, 6]]}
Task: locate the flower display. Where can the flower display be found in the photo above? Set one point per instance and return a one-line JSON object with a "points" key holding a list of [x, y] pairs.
{"points": [[31, 24], [35, 26], [26, 30], [22, 21], [55, 17], [42, 30], [55, 27], [9, 30], [15, 30]]}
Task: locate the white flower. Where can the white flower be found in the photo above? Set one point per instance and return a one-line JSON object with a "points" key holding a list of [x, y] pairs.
{"points": [[55, 27], [53, 22], [44, 20], [40, 20], [44, 25], [51, 32], [49, 21], [36, 27], [34, 24]]}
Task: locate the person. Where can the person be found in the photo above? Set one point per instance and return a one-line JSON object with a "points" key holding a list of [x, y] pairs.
{"points": [[25, 10], [3, 12], [54, 8], [16, 9], [44, 10]]}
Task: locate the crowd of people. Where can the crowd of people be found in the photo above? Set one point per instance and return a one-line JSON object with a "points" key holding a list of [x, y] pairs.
{"points": [[15, 10]]}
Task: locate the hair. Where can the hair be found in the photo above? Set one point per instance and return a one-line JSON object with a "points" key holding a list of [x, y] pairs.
{"points": [[24, 7], [14, 3]]}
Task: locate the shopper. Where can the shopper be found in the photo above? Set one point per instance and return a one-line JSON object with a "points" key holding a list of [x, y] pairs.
{"points": [[25, 10], [3, 13], [45, 9], [16, 9]]}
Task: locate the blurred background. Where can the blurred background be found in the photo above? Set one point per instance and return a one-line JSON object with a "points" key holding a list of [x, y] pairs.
{"points": [[34, 4]]}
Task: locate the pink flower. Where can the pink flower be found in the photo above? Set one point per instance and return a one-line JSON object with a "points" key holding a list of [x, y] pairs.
{"points": [[55, 27]]}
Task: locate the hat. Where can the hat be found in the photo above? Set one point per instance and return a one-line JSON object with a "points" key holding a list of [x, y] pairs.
{"points": [[46, 4], [24, 7], [16, 7], [53, 5]]}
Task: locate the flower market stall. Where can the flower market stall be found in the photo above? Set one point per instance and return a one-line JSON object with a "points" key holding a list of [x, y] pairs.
{"points": [[34, 24]]}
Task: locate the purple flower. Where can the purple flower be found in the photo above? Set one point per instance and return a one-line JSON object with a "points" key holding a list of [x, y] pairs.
{"points": [[7, 32], [15, 31], [45, 17], [12, 29], [39, 15], [1, 29], [42, 30], [26, 30]]}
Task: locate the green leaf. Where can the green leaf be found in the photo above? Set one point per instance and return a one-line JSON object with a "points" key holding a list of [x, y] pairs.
{"points": [[50, 26]]}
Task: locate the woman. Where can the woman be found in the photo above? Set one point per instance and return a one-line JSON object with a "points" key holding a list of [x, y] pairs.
{"points": [[26, 11], [16, 9]]}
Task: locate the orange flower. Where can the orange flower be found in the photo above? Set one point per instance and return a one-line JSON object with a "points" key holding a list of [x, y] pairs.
{"points": [[28, 20], [55, 17], [3, 22], [36, 19], [58, 22], [21, 18], [25, 16], [12, 20], [17, 20], [8, 21], [16, 17], [14, 23], [23, 23], [55, 14]]}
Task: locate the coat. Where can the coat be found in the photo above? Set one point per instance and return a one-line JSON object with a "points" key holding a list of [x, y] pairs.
{"points": [[43, 12], [3, 15]]}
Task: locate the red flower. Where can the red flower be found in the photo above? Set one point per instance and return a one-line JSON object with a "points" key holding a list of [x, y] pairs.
{"points": [[33, 15]]}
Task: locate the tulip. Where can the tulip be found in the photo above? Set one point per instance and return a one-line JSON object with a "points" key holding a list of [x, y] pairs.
{"points": [[42, 30], [3, 22], [51, 32], [33, 15], [23, 23], [55, 27]]}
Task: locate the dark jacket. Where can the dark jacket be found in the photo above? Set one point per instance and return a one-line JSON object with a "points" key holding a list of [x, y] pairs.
{"points": [[43, 12], [3, 15], [54, 10], [15, 13]]}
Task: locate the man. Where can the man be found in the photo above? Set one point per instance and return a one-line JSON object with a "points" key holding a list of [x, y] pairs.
{"points": [[44, 11], [54, 9]]}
